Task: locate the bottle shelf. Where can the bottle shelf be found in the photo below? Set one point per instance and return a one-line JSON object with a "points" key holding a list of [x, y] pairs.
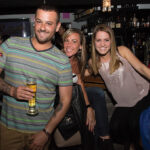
{"points": [[131, 28]]}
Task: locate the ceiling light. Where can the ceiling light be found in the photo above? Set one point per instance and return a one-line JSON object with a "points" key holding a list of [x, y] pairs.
{"points": [[106, 5]]}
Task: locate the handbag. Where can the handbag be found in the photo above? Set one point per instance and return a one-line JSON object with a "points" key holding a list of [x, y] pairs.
{"points": [[69, 131], [72, 141]]}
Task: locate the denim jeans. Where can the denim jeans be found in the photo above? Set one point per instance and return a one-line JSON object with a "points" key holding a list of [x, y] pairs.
{"points": [[96, 97], [145, 128]]}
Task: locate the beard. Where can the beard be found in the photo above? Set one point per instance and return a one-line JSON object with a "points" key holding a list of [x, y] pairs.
{"points": [[44, 40]]}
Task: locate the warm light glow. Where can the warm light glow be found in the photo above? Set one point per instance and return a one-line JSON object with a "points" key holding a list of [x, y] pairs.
{"points": [[106, 5]]}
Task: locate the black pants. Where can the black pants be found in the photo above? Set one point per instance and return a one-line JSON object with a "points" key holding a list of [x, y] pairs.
{"points": [[124, 124]]}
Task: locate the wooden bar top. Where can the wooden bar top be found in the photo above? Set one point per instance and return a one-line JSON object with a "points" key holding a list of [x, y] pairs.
{"points": [[95, 81]]}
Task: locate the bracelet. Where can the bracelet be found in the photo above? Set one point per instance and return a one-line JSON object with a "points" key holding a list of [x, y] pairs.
{"points": [[87, 106], [47, 133]]}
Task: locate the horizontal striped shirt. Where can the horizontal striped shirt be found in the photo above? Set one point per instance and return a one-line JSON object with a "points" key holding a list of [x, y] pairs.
{"points": [[50, 67]]}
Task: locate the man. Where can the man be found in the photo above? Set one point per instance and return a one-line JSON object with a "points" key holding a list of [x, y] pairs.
{"points": [[35, 57]]}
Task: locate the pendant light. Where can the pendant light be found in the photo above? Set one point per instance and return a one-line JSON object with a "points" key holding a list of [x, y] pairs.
{"points": [[106, 5]]}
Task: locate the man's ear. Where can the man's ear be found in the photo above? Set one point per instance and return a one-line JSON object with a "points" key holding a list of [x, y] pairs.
{"points": [[58, 26]]}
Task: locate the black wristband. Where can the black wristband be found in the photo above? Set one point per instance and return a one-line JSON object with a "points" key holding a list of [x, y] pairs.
{"points": [[87, 106], [47, 133]]}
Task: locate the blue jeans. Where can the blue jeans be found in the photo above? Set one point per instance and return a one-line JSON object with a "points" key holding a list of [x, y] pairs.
{"points": [[97, 99], [145, 128]]}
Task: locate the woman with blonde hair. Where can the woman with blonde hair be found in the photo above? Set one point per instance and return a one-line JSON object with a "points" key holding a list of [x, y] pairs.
{"points": [[123, 75], [74, 47]]}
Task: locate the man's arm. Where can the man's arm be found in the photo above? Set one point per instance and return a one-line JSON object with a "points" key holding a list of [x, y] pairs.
{"points": [[40, 138], [65, 94]]}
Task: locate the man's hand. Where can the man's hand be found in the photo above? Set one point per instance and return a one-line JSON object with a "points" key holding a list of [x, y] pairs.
{"points": [[38, 141], [21, 93]]}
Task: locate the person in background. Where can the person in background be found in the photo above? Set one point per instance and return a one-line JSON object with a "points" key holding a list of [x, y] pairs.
{"points": [[123, 75], [38, 58], [59, 36], [3, 38], [145, 128], [62, 29]]}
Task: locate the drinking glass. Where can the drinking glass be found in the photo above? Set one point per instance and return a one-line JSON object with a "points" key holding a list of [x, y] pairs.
{"points": [[32, 110]]}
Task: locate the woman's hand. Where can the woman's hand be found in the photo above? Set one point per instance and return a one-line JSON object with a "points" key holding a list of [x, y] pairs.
{"points": [[90, 119]]}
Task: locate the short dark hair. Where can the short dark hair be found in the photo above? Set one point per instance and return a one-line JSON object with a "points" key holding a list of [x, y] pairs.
{"points": [[65, 26], [50, 8]]}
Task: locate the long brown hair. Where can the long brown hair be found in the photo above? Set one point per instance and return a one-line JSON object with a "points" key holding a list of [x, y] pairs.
{"points": [[114, 61], [81, 55]]}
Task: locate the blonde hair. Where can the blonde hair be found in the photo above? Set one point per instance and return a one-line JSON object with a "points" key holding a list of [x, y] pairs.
{"points": [[114, 61], [81, 55]]}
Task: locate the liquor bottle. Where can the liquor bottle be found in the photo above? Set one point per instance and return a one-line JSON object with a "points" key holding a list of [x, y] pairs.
{"points": [[134, 21], [134, 43], [131, 22], [118, 22], [112, 23], [148, 22]]}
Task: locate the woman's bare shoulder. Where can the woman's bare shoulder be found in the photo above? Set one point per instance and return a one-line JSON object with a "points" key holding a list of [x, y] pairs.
{"points": [[123, 50]]}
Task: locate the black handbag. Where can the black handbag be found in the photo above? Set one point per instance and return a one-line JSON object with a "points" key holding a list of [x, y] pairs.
{"points": [[69, 125], [72, 130], [75, 118]]}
